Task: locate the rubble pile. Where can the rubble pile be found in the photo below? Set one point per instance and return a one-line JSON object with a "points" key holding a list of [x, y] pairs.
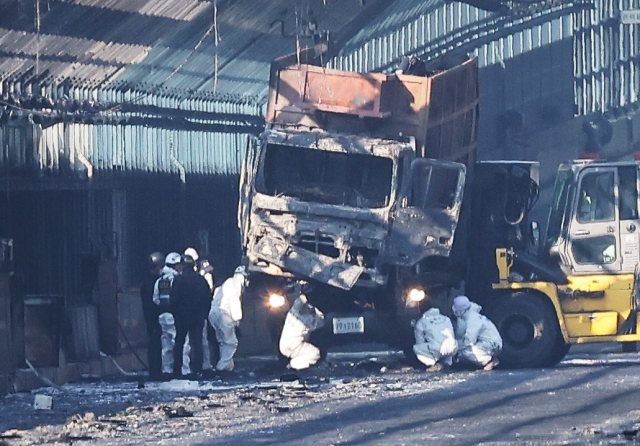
{"points": [[122, 413]]}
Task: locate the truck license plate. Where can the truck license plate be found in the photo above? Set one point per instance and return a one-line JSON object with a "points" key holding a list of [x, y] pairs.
{"points": [[343, 325]]}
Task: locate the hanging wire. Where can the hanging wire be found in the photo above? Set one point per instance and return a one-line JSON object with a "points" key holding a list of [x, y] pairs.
{"points": [[173, 73], [216, 40], [37, 37], [301, 76]]}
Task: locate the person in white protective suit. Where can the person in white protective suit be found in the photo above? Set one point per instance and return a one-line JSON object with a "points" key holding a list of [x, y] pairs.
{"points": [[301, 320], [479, 342], [435, 340], [225, 316], [207, 274], [161, 297]]}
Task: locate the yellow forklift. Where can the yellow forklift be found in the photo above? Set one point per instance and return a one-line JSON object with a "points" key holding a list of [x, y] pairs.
{"points": [[581, 284]]}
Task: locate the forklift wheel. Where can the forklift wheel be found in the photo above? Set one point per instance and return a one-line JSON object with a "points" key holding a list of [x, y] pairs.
{"points": [[559, 351], [529, 329]]}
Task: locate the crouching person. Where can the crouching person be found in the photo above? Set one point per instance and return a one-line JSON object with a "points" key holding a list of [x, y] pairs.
{"points": [[225, 316], [435, 340], [479, 342], [301, 320]]}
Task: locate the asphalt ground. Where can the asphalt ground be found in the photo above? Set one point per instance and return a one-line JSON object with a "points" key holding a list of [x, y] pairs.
{"points": [[354, 397]]}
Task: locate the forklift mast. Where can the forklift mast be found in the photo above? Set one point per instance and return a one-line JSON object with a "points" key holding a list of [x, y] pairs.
{"points": [[503, 193]]}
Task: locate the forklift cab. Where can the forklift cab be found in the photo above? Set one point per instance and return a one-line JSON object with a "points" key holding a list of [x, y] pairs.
{"points": [[593, 223], [593, 232]]}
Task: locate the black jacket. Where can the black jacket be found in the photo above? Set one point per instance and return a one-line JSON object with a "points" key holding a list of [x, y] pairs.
{"points": [[190, 297], [150, 310]]}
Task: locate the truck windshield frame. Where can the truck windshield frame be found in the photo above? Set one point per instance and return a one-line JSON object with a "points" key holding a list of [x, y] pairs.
{"points": [[328, 177]]}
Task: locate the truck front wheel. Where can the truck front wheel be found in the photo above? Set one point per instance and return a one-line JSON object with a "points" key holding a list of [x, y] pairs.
{"points": [[529, 329]]}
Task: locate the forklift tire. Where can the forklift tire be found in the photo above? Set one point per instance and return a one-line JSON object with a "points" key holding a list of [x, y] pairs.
{"points": [[529, 329], [559, 351]]}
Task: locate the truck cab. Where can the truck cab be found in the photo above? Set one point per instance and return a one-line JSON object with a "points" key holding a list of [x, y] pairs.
{"points": [[353, 181]]}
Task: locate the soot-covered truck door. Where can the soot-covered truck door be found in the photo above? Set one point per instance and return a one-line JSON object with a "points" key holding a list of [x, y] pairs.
{"points": [[426, 218]]}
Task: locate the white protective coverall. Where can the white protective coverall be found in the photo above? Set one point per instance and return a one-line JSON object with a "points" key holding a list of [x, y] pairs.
{"points": [[226, 314], [478, 338], [435, 338], [166, 320], [301, 320]]}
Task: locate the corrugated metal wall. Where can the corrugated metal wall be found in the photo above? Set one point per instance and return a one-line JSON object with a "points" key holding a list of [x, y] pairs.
{"points": [[171, 217], [607, 57], [107, 148], [434, 29], [526, 62], [60, 236]]}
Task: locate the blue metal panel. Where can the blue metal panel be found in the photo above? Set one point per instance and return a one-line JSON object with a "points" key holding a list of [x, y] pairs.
{"points": [[108, 148]]}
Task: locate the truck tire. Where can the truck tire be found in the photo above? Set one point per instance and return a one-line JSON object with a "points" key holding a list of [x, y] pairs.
{"points": [[529, 329]]}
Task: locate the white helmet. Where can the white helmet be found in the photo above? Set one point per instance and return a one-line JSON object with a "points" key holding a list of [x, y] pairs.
{"points": [[241, 270], [173, 258], [191, 252]]}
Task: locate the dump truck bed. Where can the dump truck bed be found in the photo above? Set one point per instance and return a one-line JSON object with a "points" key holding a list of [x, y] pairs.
{"points": [[439, 111]]}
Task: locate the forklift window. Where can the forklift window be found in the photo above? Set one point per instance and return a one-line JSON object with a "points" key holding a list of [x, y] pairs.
{"points": [[595, 250], [596, 197], [559, 206], [628, 192]]}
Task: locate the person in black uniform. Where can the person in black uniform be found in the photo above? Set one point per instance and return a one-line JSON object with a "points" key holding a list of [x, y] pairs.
{"points": [[151, 312], [190, 301]]}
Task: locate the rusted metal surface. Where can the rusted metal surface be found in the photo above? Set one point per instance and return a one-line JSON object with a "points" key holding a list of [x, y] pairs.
{"points": [[439, 111]]}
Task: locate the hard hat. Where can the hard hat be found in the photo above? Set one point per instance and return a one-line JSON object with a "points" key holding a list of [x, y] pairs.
{"points": [[460, 304], [241, 270], [187, 260], [193, 253], [173, 258], [155, 259]]}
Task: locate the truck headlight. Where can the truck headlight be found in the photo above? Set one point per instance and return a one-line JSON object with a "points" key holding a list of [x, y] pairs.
{"points": [[416, 295], [276, 301]]}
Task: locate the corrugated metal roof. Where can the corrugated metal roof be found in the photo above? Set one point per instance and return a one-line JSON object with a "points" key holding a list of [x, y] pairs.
{"points": [[150, 45]]}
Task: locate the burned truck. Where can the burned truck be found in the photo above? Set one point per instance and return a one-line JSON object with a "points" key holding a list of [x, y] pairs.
{"points": [[356, 186]]}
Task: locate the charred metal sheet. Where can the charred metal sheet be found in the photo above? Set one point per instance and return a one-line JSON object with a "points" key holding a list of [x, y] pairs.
{"points": [[322, 268], [294, 206], [420, 234], [315, 266], [277, 250], [338, 143], [271, 249]]}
